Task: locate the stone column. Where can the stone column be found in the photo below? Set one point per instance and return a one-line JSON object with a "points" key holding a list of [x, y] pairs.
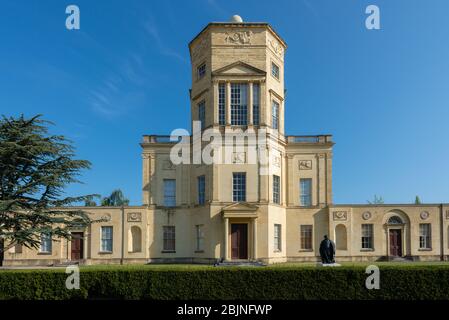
{"points": [[226, 238], [255, 239], [228, 103]]}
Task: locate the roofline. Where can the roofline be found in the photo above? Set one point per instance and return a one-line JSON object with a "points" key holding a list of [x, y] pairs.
{"points": [[389, 205], [239, 24]]}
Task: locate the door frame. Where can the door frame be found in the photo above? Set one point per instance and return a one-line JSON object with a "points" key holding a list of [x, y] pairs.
{"points": [[247, 240], [403, 238], [82, 253]]}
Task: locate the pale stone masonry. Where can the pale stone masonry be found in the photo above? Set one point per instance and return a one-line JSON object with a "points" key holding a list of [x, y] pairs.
{"points": [[202, 213]]}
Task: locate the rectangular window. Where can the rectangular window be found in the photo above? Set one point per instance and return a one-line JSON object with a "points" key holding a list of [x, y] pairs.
{"points": [[46, 243], [106, 239], [256, 104], [169, 238], [239, 186], [18, 248], [367, 236], [305, 187], [306, 237], [169, 192], [202, 114], [222, 104], [275, 70], [201, 71], [276, 189], [277, 238], [239, 104], [275, 115], [201, 189], [425, 236], [199, 238]]}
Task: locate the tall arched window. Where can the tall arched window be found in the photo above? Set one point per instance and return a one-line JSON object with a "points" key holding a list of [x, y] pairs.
{"points": [[134, 239], [341, 240]]}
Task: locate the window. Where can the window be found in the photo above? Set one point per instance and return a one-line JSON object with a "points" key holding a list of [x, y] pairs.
{"points": [[46, 243], [256, 104], [222, 104], [169, 192], [202, 114], [275, 115], [239, 106], [201, 71], [106, 239], [277, 238], [275, 70], [169, 238], [367, 236], [306, 237], [199, 238], [239, 186], [18, 248], [276, 189], [305, 187], [425, 240], [201, 189]]}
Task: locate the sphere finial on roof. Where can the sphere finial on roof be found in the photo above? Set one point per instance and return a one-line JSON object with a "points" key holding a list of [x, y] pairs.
{"points": [[236, 19]]}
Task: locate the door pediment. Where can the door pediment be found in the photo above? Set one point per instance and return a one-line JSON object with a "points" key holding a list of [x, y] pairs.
{"points": [[240, 210]]}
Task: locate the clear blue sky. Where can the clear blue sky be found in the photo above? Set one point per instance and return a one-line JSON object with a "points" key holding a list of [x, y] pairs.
{"points": [[384, 95]]}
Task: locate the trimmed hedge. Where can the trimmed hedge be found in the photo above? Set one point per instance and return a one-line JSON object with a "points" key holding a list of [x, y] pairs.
{"points": [[304, 283]]}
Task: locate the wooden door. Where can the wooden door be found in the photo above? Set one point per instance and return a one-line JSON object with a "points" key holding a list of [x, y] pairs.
{"points": [[77, 246], [396, 242], [239, 241]]}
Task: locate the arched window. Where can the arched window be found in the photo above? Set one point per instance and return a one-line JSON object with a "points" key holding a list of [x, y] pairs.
{"points": [[134, 239], [395, 220], [341, 241]]}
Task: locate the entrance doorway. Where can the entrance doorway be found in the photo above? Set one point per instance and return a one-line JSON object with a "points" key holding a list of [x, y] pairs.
{"points": [[77, 246], [239, 241], [396, 242]]}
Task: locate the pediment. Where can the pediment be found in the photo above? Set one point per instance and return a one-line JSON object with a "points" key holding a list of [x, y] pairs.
{"points": [[239, 68], [240, 207]]}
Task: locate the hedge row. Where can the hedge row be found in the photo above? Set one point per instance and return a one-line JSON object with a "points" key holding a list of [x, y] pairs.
{"points": [[231, 283]]}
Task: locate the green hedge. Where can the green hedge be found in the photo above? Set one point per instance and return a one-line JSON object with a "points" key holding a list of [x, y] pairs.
{"points": [[341, 283]]}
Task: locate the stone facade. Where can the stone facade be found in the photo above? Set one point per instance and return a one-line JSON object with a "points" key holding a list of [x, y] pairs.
{"points": [[269, 226]]}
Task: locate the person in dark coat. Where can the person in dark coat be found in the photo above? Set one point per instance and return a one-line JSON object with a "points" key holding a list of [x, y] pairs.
{"points": [[327, 251]]}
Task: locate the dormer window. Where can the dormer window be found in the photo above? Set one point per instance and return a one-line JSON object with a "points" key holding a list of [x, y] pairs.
{"points": [[201, 71], [275, 70]]}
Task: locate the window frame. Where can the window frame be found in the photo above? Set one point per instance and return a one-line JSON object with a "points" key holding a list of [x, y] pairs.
{"points": [[202, 113], [275, 115], [425, 240], [239, 104], [276, 189], [168, 238], [277, 74], [201, 185], [169, 199], [277, 237], [105, 241], [367, 241], [306, 231], [222, 104], [199, 241], [241, 196], [201, 71], [256, 104], [46, 245], [303, 195]]}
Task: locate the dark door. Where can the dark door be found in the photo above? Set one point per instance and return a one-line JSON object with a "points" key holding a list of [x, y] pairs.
{"points": [[77, 246], [239, 241], [395, 243]]}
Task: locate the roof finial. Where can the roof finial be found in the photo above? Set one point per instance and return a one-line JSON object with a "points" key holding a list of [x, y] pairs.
{"points": [[236, 19]]}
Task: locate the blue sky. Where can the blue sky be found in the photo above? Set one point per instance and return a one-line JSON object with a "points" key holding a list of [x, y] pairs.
{"points": [[384, 94]]}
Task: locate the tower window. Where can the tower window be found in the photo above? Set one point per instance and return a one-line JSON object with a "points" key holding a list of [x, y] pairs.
{"points": [[202, 113], [201, 71], [256, 104], [239, 105], [221, 104], [305, 186], [275, 70], [275, 115], [169, 192], [276, 189], [201, 190], [239, 186]]}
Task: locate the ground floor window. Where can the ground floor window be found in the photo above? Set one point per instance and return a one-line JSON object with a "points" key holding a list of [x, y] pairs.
{"points": [[169, 238], [106, 239], [367, 236], [199, 238], [46, 243], [306, 237], [425, 231], [277, 238]]}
